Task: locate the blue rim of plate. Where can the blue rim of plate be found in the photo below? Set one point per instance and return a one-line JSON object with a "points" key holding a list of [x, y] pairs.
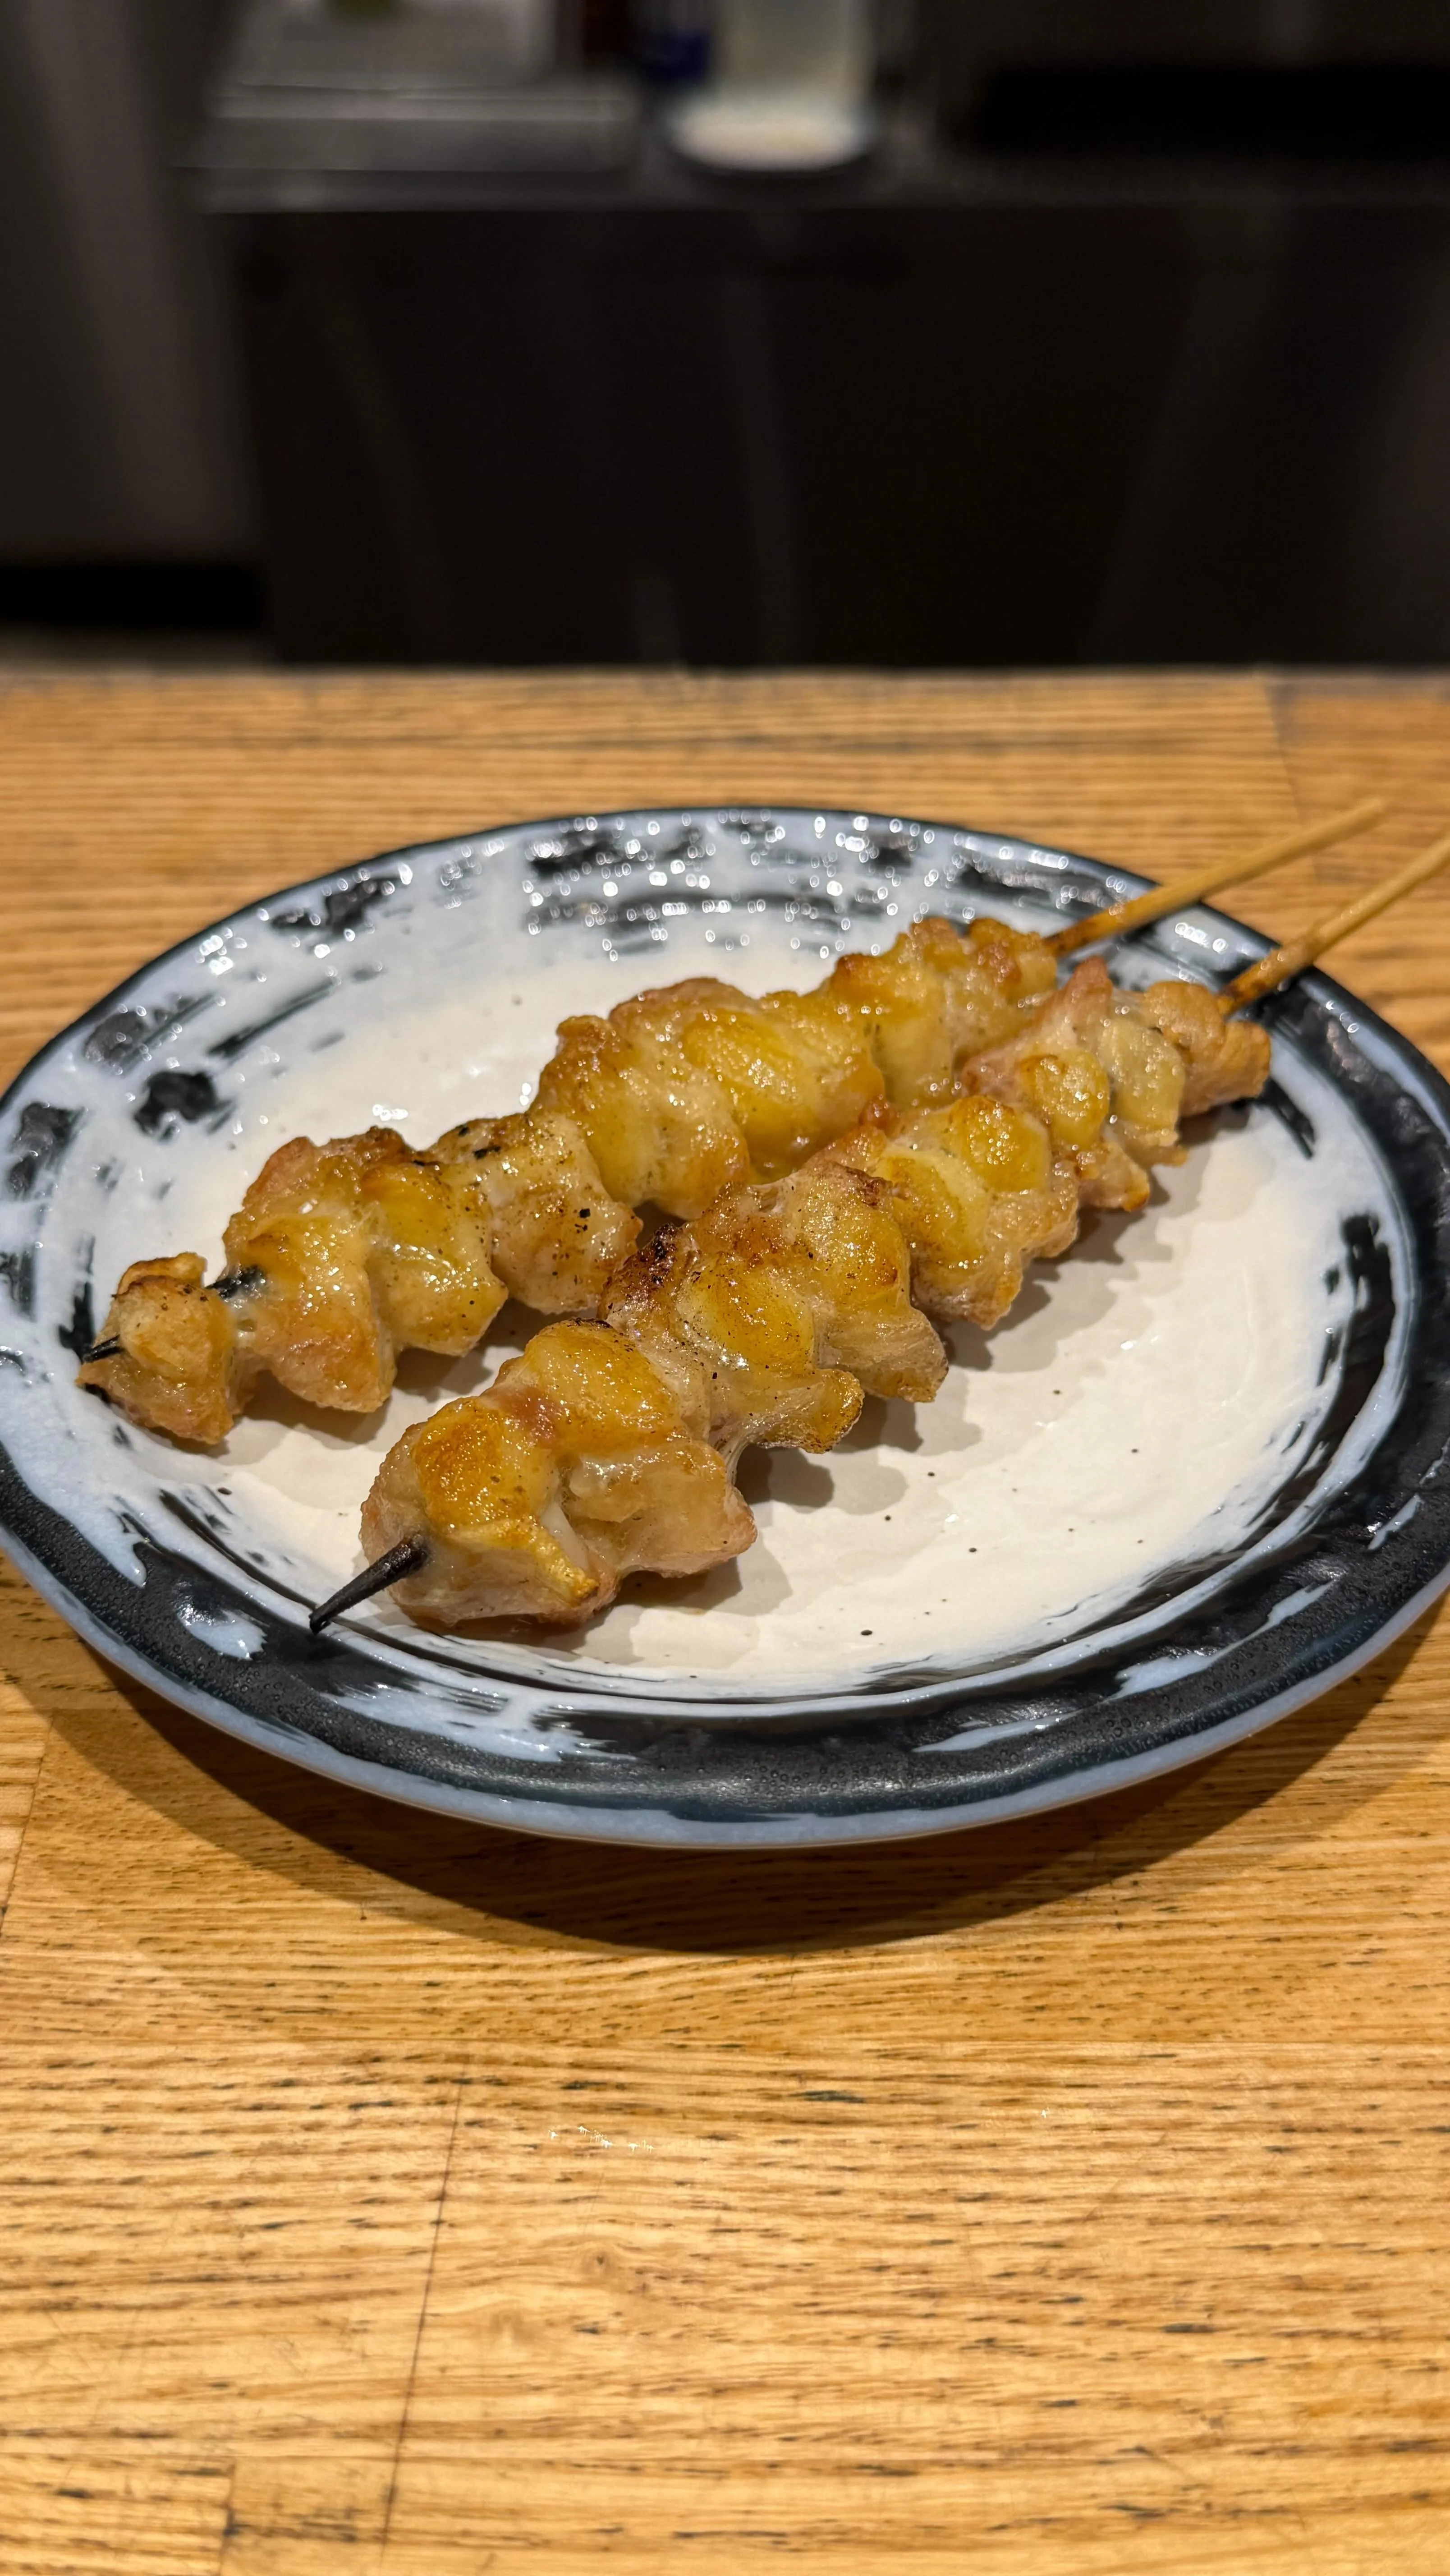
{"points": [[1306, 1613]]}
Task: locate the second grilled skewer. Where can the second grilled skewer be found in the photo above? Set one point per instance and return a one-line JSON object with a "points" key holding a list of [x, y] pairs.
{"points": [[610, 1448]]}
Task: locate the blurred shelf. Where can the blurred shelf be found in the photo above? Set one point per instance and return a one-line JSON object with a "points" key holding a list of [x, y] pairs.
{"points": [[260, 155], [946, 406], [309, 97]]}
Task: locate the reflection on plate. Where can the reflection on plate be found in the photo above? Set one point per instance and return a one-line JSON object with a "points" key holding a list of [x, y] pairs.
{"points": [[1192, 1479]]}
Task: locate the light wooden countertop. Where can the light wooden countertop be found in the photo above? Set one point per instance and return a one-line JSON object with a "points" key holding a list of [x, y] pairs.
{"points": [[381, 2196]]}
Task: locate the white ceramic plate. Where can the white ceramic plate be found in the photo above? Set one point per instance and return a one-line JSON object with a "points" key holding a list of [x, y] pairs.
{"points": [[1190, 1482]]}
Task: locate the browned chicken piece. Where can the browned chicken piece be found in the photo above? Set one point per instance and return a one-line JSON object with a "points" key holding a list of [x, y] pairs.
{"points": [[577, 1468], [939, 996], [342, 1255], [557, 1234], [977, 1191], [775, 1312], [768, 1318], [1225, 1059], [696, 1088], [1112, 1074], [176, 1367]]}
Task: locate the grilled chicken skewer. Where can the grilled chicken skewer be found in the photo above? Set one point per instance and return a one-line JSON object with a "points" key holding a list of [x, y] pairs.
{"points": [[344, 1254], [609, 1449]]}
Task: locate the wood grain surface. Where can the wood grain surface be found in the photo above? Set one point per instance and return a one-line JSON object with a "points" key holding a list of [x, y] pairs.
{"points": [[391, 2196]]}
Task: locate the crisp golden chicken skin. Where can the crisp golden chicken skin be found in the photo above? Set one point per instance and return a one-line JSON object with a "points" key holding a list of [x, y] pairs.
{"points": [[696, 1088], [939, 996], [342, 1255], [575, 1469], [1223, 1059], [773, 1314], [178, 1368], [977, 1191], [556, 1233], [1112, 1073]]}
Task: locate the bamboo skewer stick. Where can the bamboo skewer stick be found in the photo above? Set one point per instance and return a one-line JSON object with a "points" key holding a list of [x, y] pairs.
{"points": [[1141, 908], [1283, 963]]}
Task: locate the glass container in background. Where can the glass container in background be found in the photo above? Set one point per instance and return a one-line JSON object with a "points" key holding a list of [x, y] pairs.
{"points": [[791, 88]]}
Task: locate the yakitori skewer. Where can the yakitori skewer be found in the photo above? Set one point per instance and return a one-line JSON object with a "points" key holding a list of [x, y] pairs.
{"points": [[342, 1255], [609, 1449]]}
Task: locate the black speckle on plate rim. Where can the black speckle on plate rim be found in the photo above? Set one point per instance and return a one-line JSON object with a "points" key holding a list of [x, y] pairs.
{"points": [[41, 1140]]}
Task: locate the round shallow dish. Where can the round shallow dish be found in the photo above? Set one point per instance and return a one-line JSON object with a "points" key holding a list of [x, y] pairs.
{"points": [[1193, 1480], [771, 129]]}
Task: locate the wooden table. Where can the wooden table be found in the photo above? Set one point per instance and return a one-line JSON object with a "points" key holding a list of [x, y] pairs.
{"points": [[382, 2194]]}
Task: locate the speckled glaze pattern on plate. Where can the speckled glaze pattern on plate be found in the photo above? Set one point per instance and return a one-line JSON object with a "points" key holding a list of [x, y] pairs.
{"points": [[1125, 1641]]}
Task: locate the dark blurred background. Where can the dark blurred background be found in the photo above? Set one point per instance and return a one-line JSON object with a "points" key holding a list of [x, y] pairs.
{"points": [[407, 333]]}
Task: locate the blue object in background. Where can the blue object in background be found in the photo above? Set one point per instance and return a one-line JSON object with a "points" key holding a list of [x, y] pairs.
{"points": [[672, 40]]}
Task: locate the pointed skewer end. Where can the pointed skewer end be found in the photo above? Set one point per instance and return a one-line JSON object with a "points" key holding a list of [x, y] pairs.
{"points": [[406, 1558]]}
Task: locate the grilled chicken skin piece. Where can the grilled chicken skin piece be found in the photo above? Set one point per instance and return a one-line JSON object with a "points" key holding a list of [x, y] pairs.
{"points": [[342, 1255], [695, 1088], [1113, 1073], [577, 1467]]}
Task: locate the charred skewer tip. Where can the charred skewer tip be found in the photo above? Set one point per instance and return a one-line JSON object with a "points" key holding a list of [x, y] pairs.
{"points": [[406, 1558]]}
